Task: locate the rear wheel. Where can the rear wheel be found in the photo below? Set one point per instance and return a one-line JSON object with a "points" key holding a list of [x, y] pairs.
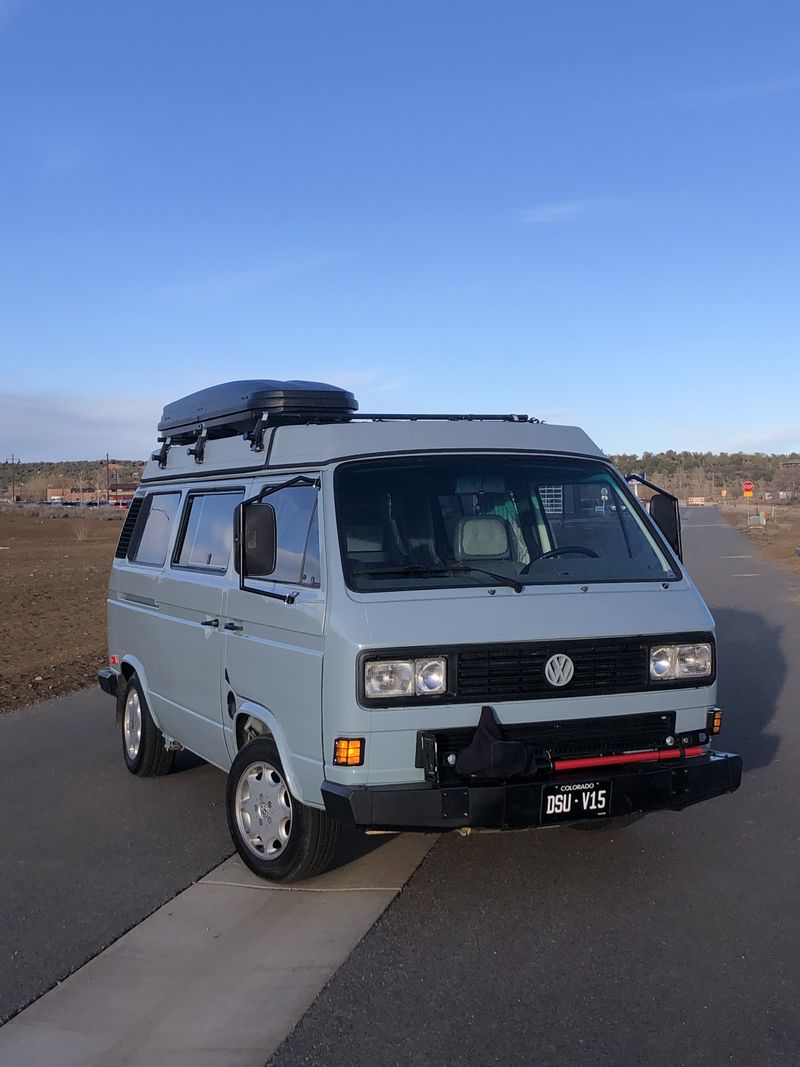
{"points": [[142, 742], [278, 838]]}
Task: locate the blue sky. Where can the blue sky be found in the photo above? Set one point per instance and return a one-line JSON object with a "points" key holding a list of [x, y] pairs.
{"points": [[586, 212]]}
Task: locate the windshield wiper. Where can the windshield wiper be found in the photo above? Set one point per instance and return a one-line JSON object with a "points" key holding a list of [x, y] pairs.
{"points": [[419, 570]]}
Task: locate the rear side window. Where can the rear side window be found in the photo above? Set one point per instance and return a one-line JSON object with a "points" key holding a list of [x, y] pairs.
{"points": [[208, 531], [154, 529]]}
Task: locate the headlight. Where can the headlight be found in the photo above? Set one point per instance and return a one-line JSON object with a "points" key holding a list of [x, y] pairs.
{"points": [[430, 676], [673, 663], [405, 677], [389, 678]]}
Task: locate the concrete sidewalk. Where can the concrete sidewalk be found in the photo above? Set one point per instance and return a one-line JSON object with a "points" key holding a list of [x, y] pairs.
{"points": [[218, 976]]}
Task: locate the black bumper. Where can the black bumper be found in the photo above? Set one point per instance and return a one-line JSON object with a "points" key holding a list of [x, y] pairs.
{"points": [[516, 806], [107, 680]]}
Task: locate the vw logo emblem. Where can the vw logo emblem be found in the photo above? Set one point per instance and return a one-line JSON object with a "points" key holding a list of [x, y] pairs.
{"points": [[559, 669]]}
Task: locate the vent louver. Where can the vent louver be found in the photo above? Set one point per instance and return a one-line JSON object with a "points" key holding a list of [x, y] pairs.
{"points": [[128, 527]]}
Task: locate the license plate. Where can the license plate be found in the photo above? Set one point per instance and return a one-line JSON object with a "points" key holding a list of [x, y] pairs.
{"points": [[564, 801]]}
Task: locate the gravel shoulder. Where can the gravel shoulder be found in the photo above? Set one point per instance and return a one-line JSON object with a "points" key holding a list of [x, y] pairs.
{"points": [[778, 538]]}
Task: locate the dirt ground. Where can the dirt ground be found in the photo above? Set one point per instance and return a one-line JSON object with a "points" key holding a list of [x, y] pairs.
{"points": [[53, 580], [778, 539]]}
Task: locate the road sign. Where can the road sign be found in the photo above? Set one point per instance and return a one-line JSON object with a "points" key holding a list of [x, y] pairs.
{"points": [[747, 488]]}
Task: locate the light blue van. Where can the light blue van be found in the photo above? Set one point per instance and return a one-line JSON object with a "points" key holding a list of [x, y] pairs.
{"points": [[405, 622]]}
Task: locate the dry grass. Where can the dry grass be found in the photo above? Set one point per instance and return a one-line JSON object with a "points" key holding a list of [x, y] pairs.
{"points": [[778, 539]]}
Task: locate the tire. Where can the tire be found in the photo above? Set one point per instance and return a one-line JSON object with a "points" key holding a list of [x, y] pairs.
{"points": [[278, 838], [142, 742], [614, 822]]}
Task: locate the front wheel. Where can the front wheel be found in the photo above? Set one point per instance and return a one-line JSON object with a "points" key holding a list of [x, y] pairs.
{"points": [[278, 838]]}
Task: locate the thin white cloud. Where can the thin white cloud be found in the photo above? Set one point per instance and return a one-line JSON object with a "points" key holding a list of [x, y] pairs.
{"points": [[785, 438], [372, 380], [723, 94], [780, 439], [240, 282], [46, 427], [62, 158], [560, 211]]}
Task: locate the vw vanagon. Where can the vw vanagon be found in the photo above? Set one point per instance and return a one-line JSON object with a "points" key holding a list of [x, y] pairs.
{"points": [[405, 622]]}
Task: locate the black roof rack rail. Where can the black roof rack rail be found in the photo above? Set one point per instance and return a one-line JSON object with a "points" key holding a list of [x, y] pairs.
{"points": [[398, 417]]}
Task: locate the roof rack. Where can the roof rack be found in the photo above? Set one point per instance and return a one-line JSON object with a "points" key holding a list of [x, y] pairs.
{"points": [[393, 417]]}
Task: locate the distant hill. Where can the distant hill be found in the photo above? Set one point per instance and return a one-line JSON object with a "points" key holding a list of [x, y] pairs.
{"points": [[705, 473], [33, 480], [684, 473]]}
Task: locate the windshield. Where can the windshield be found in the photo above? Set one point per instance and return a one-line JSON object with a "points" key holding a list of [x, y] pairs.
{"points": [[445, 521]]}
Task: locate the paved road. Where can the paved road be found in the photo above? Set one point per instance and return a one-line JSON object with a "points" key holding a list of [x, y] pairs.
{"points": [[676, 941], [87, 849]]}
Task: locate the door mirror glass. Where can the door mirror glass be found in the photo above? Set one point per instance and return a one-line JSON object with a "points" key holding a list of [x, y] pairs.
{"points": [[258, 541], [665, 514]]}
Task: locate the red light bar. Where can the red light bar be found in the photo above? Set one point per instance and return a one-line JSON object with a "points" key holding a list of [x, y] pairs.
{"points": [[627, 757]]}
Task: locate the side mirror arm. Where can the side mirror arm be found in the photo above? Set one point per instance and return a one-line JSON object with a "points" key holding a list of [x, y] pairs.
{"points": [[678, 546]]}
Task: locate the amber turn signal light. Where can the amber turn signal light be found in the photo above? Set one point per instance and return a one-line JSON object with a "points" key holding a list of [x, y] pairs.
{"points": [[714, 721], [348, 751]]}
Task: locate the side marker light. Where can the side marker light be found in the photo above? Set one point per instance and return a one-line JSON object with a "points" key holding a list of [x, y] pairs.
{"points": [[348, 751], [714, 724]]}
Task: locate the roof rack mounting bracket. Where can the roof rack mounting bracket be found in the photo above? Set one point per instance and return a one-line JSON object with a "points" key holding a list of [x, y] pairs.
{"points": [[161, 454], [256, 435], [200, 445]]}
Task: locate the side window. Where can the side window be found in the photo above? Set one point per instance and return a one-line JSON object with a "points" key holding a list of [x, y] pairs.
{"points": [[154, 528], [208, 531], [297, 526]]}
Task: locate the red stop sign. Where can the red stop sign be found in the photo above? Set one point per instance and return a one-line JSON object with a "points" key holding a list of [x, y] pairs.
{"points": [[747, 487]]}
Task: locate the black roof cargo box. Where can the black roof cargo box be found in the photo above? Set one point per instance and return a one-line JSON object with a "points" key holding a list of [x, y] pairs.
{"points": [[236, 407]]}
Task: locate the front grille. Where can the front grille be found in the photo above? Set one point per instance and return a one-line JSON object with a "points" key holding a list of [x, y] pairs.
{"points": [[516, 672], [570, 738]]}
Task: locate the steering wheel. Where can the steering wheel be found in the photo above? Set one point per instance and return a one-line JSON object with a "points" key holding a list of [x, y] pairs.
{"points": [[554, 552]]}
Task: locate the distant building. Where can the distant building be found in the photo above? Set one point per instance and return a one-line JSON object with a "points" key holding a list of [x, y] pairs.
{"points": [[120, 493]]}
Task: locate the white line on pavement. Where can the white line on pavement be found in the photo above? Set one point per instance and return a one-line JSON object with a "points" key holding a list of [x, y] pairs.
{"points": [[735, 557], [752, 574], [266, 887]]}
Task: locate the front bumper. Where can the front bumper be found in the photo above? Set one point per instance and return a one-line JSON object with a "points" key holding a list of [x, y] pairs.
{"points": [[518, 805]]}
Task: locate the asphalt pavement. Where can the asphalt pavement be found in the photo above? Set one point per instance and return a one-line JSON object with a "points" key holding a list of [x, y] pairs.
{"points": [[675, 941], [87, 849]]}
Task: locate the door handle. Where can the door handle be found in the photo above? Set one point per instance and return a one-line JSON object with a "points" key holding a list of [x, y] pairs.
{"points": [[232, 626], [211, 622]]}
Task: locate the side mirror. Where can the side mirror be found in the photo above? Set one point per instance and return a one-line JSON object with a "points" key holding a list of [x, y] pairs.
{"points": [[665, 513], [256, 540]]}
